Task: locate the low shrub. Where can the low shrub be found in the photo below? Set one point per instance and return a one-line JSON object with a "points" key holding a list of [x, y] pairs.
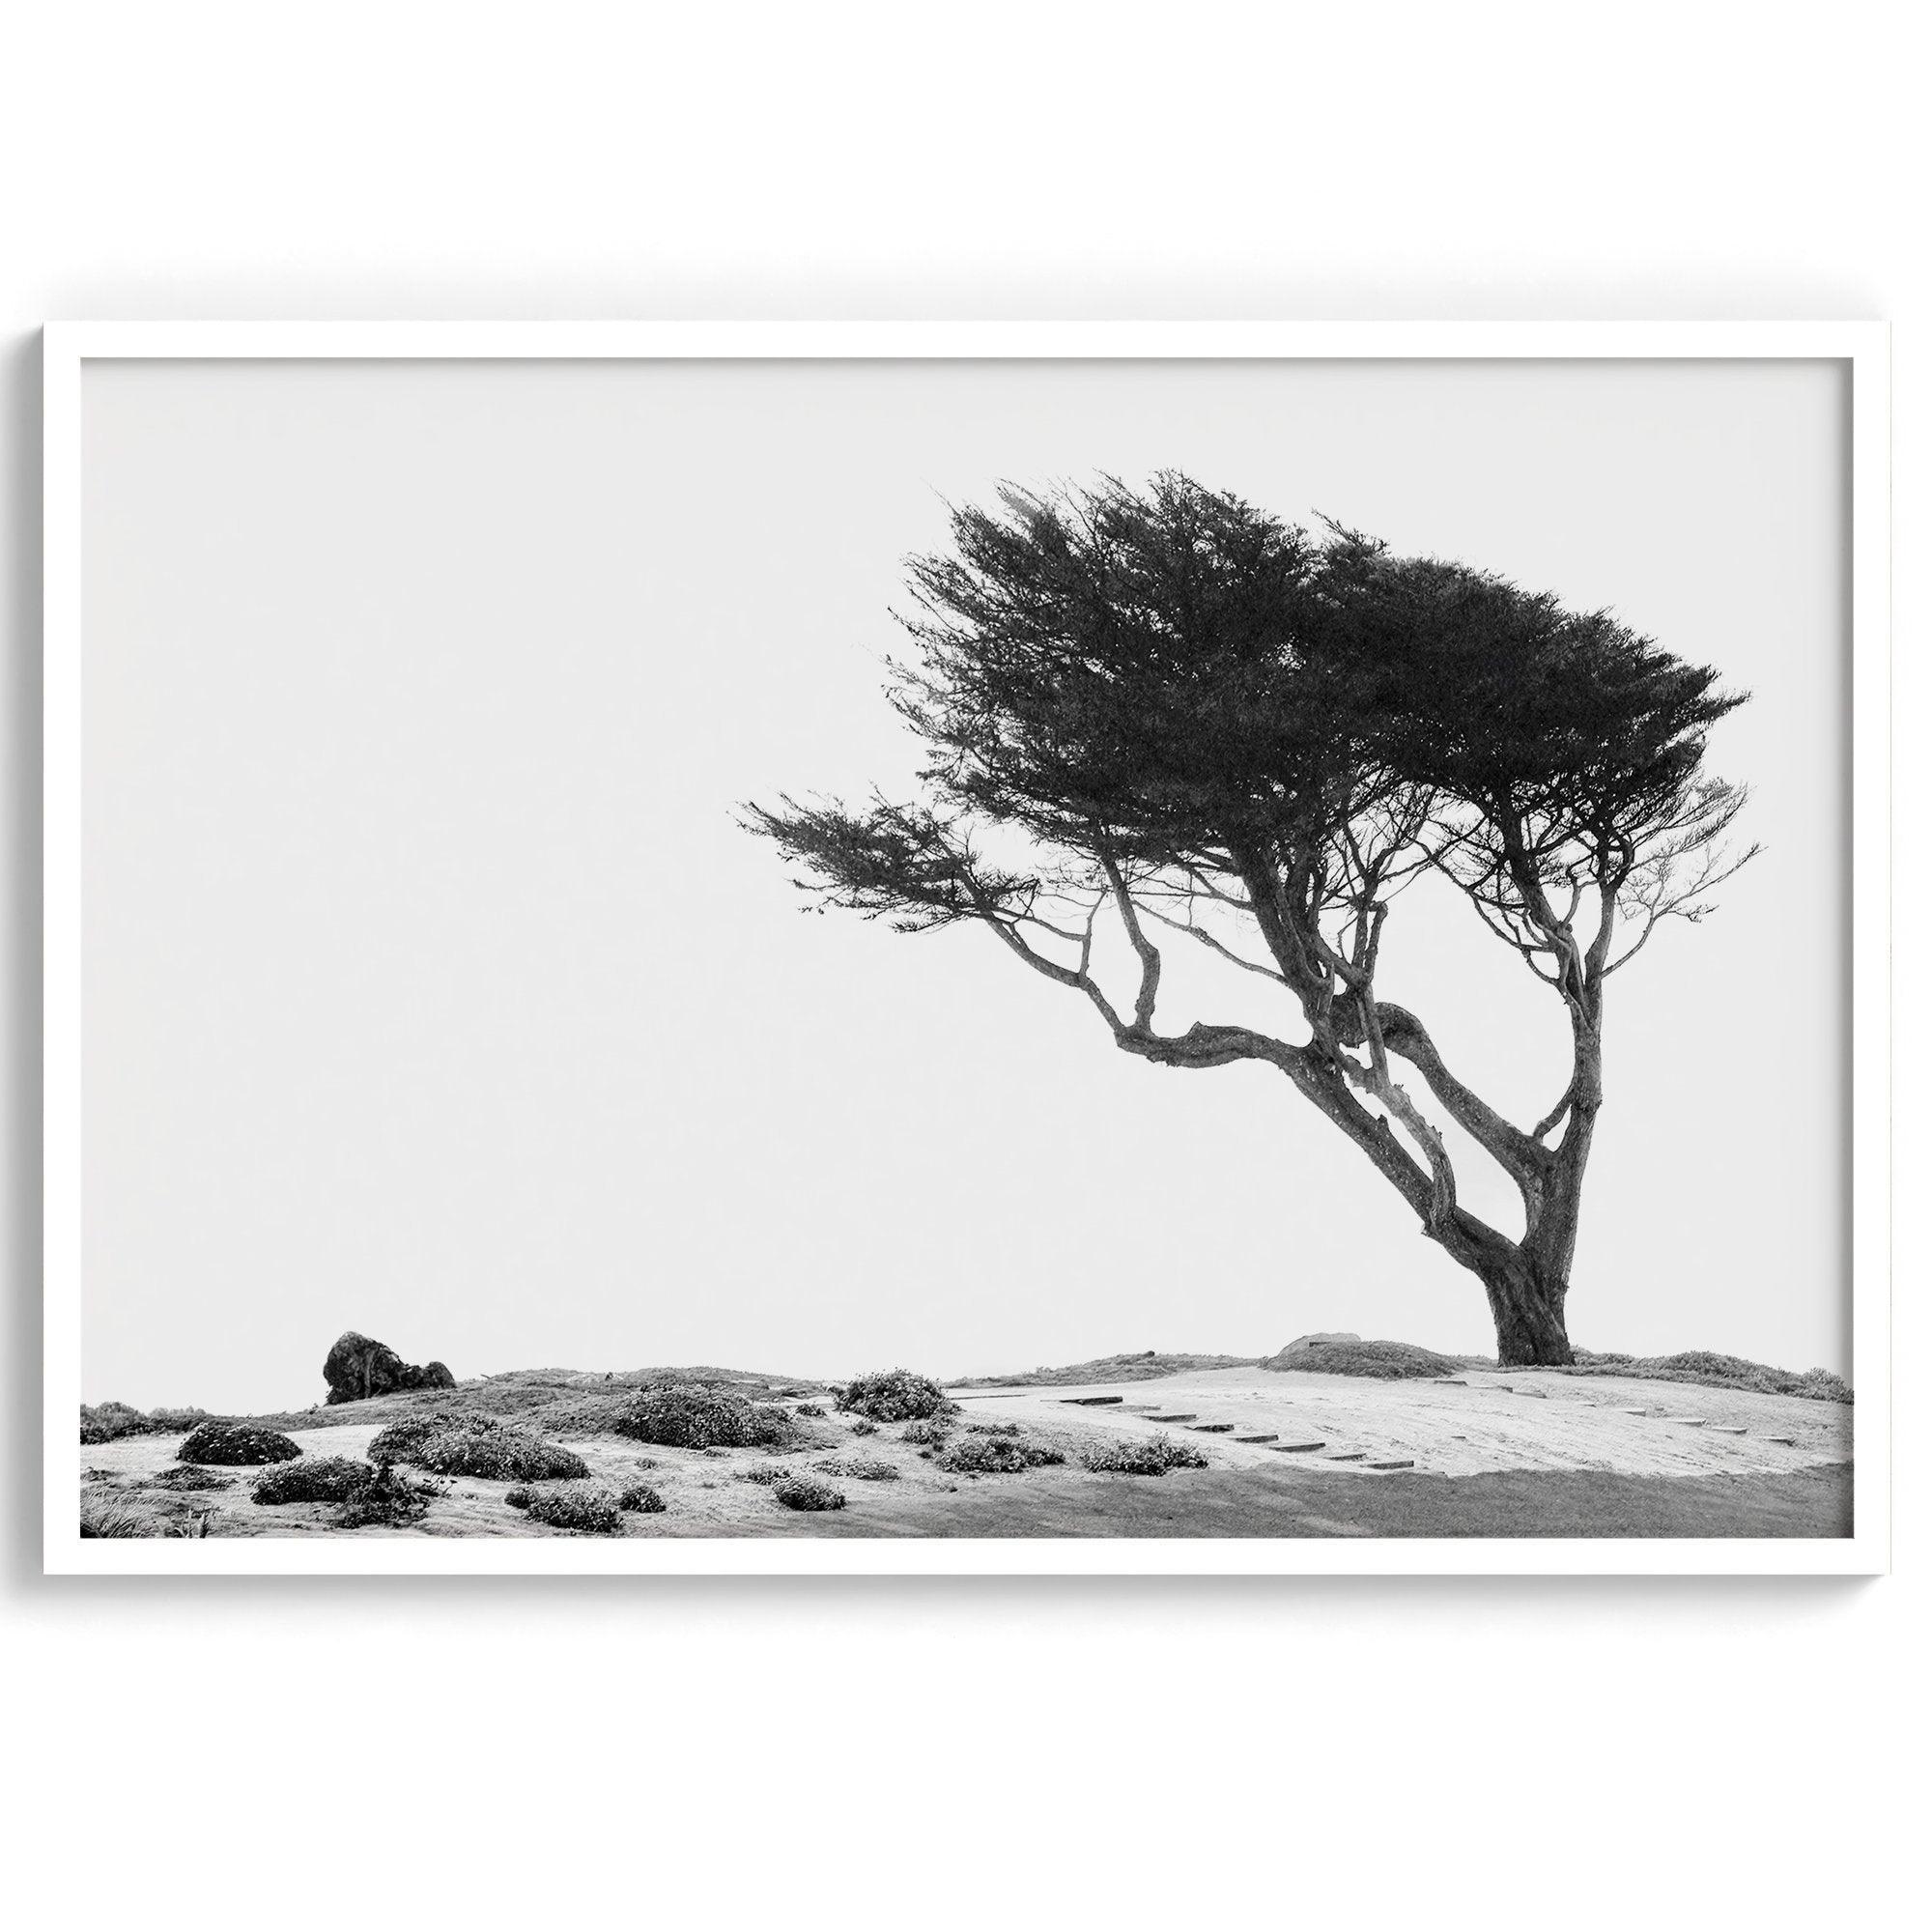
{"points": [[475, 1445], [865, 1429], [813, 1409], [109, 1421], [313, 1479], [389, 1496], [641, 1499], [1143, 1456], [584, 1512], [236, 1444], [173, 1420], [892, 1395], [995, 1456], [930, 1430], [992, 1429], [190, 1476], [764, 1472], [805, 1492], [859, 1469], [704, 1418]]}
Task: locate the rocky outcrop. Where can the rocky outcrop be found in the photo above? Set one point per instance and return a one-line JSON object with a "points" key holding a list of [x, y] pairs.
{"points": [[358, 1367], [1318, 1340]]}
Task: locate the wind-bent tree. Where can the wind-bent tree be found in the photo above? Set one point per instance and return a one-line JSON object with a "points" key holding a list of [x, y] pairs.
{"points": [[1190, 716]]}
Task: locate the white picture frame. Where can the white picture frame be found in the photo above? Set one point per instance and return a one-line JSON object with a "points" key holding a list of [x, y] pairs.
{"points": [[1863, 348]]}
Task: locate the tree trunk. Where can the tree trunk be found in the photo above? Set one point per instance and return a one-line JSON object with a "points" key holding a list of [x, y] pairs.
{"points": [[1527, 1307]]}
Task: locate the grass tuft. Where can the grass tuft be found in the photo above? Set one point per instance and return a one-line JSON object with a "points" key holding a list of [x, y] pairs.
{"points": [[125, 1517]]}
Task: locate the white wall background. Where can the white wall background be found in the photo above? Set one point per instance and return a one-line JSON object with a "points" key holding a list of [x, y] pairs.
{"points": [[1353, 1754]]}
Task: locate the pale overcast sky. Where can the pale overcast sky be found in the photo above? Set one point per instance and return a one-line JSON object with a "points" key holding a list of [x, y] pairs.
{"points": [[431, 990]]}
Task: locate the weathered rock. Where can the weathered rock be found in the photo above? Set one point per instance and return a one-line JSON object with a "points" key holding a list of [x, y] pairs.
{"points": [[358, 1367]]}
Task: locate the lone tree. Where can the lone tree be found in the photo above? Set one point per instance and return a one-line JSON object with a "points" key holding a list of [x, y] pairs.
{"points": [[1187, 715]]}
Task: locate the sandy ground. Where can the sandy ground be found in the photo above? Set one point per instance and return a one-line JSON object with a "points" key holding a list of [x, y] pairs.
{"points": [[1498, 1454], [1493, 1421]]}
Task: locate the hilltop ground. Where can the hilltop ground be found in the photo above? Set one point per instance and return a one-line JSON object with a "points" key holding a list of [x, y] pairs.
{"points": [[1288, 1454]]}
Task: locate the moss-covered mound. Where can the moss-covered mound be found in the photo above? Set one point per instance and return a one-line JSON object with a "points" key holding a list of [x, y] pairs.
{"points": [[892, 1395], [192, 1476], [234, 1444], [995, 1455], [584, 1512], [798, 1492], [475, 1445], [1143, 1456], [859, 1470], [691, 1417], [313, 1479], [1383, 1361]]}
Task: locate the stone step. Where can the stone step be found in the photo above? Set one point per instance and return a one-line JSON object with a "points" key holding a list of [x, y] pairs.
{"points": [[1296, 1448], [1211, 1427], [1409, 1464], [1092, 1400], [1726, 1429], [1188, 1416], [1689, 1421], [1789, 1441], [1348, 1456], [1255, 1438]]}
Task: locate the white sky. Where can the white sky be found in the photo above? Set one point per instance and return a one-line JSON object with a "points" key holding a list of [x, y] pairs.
{"points": [[431, 990]]}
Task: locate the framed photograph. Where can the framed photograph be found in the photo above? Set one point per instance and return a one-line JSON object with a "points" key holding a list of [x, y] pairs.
{"points": [[986, 948]]}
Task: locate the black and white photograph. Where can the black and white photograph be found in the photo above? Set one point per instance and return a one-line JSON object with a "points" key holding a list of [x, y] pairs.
{"points": [[920, 953]]}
